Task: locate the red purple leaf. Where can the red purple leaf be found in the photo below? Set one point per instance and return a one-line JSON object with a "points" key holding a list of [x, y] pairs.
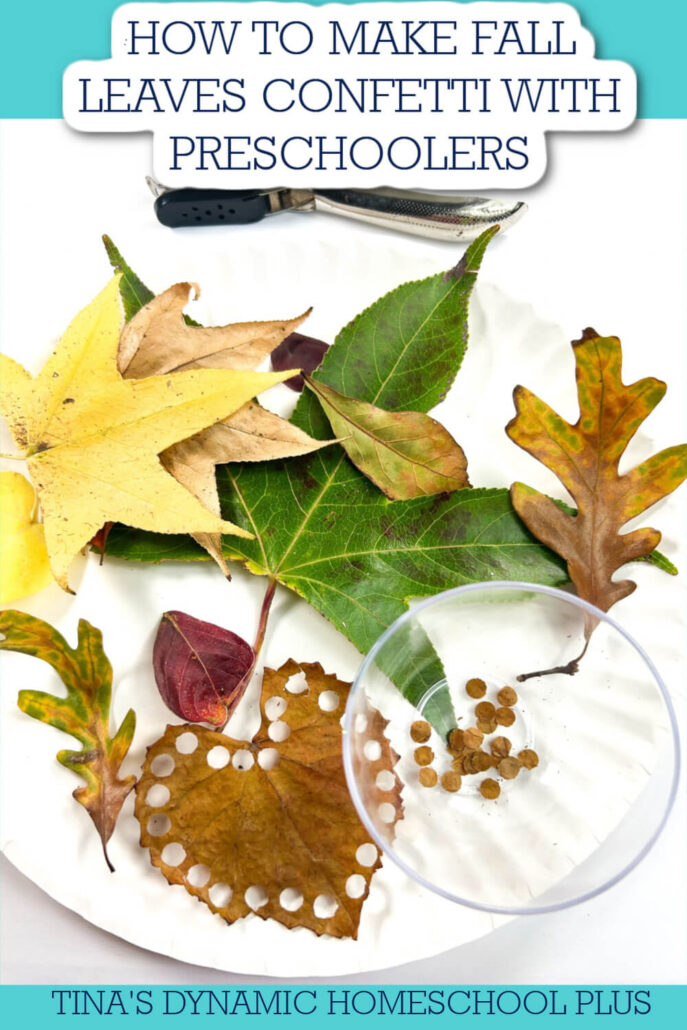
{"points": [[201, 670], [298, 351]]}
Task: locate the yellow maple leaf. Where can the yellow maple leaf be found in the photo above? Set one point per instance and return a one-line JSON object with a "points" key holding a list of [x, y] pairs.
{"points": [[24, 567], [92, 439]]}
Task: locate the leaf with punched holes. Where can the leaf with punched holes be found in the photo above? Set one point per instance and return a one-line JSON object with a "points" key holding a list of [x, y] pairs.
{"points": [[267, 825]]}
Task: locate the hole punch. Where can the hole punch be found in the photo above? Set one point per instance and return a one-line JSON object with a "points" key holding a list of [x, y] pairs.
{"points": [[360, 723], [198, 875], [158, 825], [173, 854], [242, 760], [325, 906], [255, 897], [220, 894], [291, 899], [386, 812], [328, 700], [372, 750], [296, 684], [162, 765], [366, 855], [186, 743], [355, 885], [275, 707], [218, 757], [385, 780], [268, 758], [158, 795], [279, 731]]}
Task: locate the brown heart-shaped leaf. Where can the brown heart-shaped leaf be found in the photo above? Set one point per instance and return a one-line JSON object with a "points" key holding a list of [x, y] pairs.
{"points": [[267, 825]]}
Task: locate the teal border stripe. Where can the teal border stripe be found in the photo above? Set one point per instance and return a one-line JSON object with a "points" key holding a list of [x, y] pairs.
{"points": [[244, 1007], [39, 38]]}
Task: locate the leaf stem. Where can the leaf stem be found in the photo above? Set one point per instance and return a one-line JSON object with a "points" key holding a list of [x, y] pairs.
{"points": [[107, 858], [569, 669], [264, 615], [257, 646], [14, 457]]}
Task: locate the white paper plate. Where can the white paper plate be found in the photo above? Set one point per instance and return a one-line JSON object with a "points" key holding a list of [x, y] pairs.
{"points": [[42, 830]]}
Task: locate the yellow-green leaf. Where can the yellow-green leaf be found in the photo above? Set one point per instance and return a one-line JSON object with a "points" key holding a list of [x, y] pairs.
{"points": [[84, 713], [405, 453], [585, 457]]}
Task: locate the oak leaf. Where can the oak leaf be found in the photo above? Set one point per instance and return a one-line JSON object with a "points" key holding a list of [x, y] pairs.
{"points": [[405, 453], [84, 713], [201, 670], [585, 457], [272, 814], [92, 439], [24, 566]]}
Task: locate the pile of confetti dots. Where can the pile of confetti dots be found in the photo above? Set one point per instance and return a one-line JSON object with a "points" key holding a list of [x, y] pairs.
{"points": [[466, 746]]}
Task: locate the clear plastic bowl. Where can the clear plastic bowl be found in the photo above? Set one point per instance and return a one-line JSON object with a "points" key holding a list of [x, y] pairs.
{"points": [[606, 739]]}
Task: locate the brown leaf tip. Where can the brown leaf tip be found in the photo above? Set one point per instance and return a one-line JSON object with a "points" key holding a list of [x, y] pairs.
{"points": [[457, 271]]}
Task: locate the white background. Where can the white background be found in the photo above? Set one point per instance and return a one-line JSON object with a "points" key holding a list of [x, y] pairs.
{"points": [[603, 244]]}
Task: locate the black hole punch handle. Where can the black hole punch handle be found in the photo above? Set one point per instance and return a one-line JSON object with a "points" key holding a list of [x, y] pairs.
{"points": [[189, 207]]}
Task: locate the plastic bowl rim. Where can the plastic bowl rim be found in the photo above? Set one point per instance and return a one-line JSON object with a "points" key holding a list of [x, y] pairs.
{"points": [[585, 606]]}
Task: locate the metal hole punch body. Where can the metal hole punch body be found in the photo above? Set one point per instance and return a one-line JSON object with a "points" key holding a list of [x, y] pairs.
{"points": [[432, 215]]}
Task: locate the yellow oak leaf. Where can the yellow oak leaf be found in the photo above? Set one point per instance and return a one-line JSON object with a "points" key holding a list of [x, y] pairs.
{"points": [[93, 439], [24, 567]]}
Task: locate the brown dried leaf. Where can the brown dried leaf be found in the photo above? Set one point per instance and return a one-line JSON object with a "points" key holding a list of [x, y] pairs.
{"points": [[289, 826], [252, 434], [158, 340]]}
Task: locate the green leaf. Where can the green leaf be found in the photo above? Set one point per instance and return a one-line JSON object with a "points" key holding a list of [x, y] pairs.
{"points": [[133, 292], [84, 713], [405, 453], [404, 351], [661, 562], [323, 530]]}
